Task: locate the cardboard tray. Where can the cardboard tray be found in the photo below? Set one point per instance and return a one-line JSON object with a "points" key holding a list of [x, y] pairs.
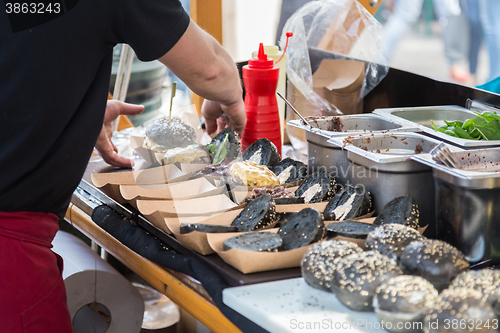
{"points": [[228, 273], [255, 261], [157, 211], [189, 189], [198, 241], [110, 182]]}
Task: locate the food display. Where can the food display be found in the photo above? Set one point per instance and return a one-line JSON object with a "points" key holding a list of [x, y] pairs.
{"points": [[435, 260], [258, 214], [220, 169], [485, 126], [301, 229], [318, 264], [486, 280], [402, 301], [189, 154], [358, 275], [225, 145], [290, 171], [350, 229], [168, 133], [458, 306], [391, 239], [317, 187], [262, 152], [350, 202], [254, 241], [186, 228], [275, 192], [382, 264], [252, 174], [401, 210]]}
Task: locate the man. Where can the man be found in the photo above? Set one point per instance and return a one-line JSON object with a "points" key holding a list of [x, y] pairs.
{"points": [[54, 76]]}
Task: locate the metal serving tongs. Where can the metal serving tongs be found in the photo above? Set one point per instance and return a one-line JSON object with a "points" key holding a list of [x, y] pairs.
{"points": [[295, 110], [442, 155]]}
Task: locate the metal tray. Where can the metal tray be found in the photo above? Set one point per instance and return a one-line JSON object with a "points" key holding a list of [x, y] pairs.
{"points": [[382, 164], [355, 124], [468, 203], [386, 148], [480, 168], [421, 117]]}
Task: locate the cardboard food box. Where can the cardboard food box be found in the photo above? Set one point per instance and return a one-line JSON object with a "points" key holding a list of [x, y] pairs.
{"points": [[255, 261], [110, 182], [189, 189], [157, 210], [154, 157], [240, 193], [197, 241]]}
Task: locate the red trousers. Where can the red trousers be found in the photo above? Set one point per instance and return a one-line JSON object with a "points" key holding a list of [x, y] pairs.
{"points": [[32, 293]]}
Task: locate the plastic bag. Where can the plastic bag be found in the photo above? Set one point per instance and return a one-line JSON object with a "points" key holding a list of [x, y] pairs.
{"points": [[336, 29]]}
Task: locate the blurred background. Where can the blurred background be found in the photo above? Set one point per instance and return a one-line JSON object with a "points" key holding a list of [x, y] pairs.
{"points": [[420, 42]]}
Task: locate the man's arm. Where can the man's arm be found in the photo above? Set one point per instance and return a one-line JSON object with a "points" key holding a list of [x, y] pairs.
{"points": [[104, 145], [208, 70]]}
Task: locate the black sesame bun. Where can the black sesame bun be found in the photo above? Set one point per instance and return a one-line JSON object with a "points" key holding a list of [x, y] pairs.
{"points": [[486, 280], [460, 310], [358, 275], [317, 187], [302, 228], [187, 228], [401, 210], [290, 171], [319, 262], [391, 239], [350, 202], [402, 302], [253, 241], [233, 145], [436, 261], [171, 133], [258, 214], [350, 229], [262, 152]]}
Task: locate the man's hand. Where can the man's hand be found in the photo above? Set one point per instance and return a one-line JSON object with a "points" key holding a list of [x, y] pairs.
{"points": [[218, 116], [208, 70], [104, 146]]}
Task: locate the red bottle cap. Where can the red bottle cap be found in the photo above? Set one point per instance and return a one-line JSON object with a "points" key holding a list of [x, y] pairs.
{"points": [[261, 61]]}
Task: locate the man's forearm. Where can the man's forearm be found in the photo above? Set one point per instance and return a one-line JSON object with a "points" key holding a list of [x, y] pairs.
{"points": [[206, 68]]}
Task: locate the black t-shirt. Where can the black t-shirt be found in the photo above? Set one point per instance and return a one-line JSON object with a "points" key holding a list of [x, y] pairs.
{"points": [[54, 79]]}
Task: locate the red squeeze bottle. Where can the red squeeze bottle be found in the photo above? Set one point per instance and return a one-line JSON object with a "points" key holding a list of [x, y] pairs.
{"points": [[260, 78]]}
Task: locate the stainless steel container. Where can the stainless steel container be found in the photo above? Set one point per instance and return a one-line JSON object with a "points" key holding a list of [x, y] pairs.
{"points": [[382, 164], [421, 117], [321, 153], [468, 203]]}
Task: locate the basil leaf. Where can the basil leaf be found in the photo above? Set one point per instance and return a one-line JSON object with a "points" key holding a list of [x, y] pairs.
{"points": [[490, 130], [440, 128], [454, 123], [451, 132], [463, 133], [220, 151], [468, 123]]}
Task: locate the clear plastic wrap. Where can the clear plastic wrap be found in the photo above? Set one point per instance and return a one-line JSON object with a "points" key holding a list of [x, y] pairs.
{"points": [[334, 29]]}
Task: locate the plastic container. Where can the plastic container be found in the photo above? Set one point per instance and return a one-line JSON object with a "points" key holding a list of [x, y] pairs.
{"points": [[274, 52], [260, 78]]}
